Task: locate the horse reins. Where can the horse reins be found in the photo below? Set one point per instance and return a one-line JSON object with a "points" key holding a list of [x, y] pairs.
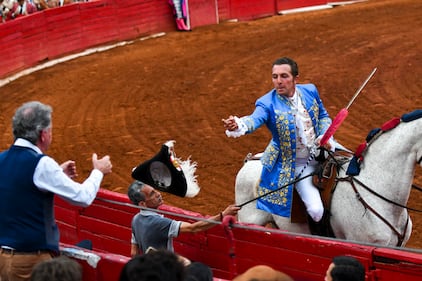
{"points": [[400, 236], [382, 197], [296, 180], [272, 191]]}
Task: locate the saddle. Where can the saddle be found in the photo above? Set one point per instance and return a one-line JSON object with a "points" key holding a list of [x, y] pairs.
{"points": [[327, 172], [325, 180]]}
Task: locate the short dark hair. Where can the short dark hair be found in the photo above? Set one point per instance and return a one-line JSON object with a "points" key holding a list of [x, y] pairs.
{"points": [[61, 268], [197, 271], [135, 193], [160, 265], [289, 61], [347, 268]]}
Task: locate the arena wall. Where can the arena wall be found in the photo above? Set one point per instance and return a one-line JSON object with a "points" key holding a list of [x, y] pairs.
{"points": [[47, 35], [228, 250]]}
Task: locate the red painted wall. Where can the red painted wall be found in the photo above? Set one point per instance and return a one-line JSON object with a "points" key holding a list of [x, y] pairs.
{"points": [[252, 9], [107, 224], [294, 4], [52, 33], [202, 12]]}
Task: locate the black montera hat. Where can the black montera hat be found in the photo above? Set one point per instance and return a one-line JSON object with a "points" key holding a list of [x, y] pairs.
{"points": [[167, 173]]}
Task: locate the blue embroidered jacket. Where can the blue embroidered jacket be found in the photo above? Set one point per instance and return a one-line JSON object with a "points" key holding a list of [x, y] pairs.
{"points": [[279, 158]]}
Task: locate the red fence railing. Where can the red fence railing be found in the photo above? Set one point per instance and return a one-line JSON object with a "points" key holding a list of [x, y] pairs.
{"points": [[45, 35]]}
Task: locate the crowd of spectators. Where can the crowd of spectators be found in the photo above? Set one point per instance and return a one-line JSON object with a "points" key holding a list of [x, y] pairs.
{"points": [[11, 9], [165, 265]]}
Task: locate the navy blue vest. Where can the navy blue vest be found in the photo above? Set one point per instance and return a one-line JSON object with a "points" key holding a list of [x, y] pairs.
{"points": [[27, 221]]}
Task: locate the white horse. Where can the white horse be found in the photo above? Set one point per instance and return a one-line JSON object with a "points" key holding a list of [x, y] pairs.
{"points": [[368, 207]]}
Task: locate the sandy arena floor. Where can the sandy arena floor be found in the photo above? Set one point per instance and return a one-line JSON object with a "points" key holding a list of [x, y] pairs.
{"points": [[128, 101]]}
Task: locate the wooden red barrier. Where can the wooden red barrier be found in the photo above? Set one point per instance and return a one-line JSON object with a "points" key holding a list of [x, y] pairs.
{"points": [[52, 33], [223, 9], [251, 9], [392, 264], [203, 12], [34, 43], [63, 30], [229, 251], [12, 58], [96, 266], [139, 18], [294, 4], [98, 23]]}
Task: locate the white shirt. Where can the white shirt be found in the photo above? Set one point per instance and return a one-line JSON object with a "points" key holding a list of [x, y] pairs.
{"points": [[49, 176], [305, 133]]}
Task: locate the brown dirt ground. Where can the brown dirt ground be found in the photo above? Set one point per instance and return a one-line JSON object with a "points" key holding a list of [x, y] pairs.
{"points": [[127, 101]]}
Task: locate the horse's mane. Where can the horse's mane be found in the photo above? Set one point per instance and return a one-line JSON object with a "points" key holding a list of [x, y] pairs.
{"points": [[354, 166]]}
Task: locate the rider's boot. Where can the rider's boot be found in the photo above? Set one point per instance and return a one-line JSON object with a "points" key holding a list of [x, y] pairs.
{"points": [[323, 227]]}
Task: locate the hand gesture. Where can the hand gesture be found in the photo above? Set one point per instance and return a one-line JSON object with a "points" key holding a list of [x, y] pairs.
{"points": [[231, 210], [230, 123], [103, 164], [328, 145], [69, 168]]}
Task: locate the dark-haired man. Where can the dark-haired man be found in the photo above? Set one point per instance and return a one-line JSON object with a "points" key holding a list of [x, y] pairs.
{"points": [[345, 268], [297, 119]]}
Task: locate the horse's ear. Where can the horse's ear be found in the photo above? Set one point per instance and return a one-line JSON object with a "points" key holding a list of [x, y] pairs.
{"points": [[167, 173]]}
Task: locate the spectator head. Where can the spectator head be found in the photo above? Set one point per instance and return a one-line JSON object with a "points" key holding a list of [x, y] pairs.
{"points": [[197, 271], [144, 195], [262, 273], [135, 193], [61, 268], [160, 265], [345, 268], [31, 120]]}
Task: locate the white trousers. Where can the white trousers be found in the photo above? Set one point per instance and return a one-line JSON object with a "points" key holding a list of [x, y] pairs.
{"points": [[307, 191]]}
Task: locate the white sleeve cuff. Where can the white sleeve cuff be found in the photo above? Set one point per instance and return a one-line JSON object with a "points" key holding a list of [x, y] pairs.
{"points": [[240, 131]]}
